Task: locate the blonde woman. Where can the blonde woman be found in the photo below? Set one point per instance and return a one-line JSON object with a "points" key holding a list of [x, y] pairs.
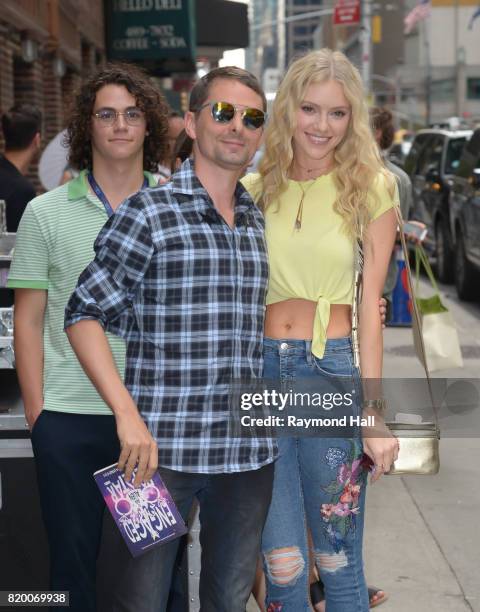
{"points": [[321, 184]]}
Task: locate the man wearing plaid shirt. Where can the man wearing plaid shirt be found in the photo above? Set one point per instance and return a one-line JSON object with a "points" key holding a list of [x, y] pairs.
{"points": [[181, 272]]}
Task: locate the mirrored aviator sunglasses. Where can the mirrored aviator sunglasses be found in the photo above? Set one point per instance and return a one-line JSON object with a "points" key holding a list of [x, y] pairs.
{"points": [[224, 112]]}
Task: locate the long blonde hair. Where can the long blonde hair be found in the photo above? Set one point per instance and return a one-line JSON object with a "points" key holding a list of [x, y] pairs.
{"points": [[357, 159]]}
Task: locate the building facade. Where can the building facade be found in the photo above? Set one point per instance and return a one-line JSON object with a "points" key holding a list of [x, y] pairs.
{"points": [[276, 36], [46, 46], [262, 53], [425, 76], [300, 35], [440, 75]]}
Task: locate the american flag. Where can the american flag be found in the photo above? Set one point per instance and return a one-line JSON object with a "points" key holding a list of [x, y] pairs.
{"points": [[419, 12], [473, 17]]}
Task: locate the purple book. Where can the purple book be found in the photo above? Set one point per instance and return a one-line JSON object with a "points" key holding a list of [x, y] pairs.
{"points": [[146, 516]]}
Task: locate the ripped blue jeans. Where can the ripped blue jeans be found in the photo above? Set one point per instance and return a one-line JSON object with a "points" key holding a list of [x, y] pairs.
{"points": [[320, 483]]}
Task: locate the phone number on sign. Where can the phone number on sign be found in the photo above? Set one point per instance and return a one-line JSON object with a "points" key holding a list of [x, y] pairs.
{"points": [[34, 598]]}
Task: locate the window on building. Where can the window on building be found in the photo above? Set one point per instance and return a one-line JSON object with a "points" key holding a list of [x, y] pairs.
{"points": [[301, 45], [303, 30], [442, 90], [407, 93], [473, 88]]}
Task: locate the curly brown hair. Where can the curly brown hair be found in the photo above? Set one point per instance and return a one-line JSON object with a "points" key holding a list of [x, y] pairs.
{"points": [[382, 119], [149, 99]]}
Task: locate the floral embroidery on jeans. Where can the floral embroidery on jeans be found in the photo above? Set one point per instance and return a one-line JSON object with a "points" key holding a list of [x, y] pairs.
{"points": [[340, 515], [275, 607], [335, 457]]}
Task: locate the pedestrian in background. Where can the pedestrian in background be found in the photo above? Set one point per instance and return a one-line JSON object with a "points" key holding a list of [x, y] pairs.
{"points": [[181, 151], [116, 136], [21, 130], [176, 126], [322, 185], [384, 132]]}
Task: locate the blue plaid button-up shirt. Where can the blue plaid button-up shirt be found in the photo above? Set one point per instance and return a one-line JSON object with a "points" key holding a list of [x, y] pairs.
{"points": [[187, 292]]}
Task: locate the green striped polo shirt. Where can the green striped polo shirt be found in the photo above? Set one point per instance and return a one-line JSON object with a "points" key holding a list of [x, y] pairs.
{"points": [[54, 245]]}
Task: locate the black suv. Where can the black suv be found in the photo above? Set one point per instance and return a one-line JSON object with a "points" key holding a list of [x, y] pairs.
{"points": [[465, 220], [431, 163]]}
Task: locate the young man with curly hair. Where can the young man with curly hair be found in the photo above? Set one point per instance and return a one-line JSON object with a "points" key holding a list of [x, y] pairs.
{"points": [[117, 134]]}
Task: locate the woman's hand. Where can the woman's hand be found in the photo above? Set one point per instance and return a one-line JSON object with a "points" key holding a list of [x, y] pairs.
{"points": [[382, 447]]}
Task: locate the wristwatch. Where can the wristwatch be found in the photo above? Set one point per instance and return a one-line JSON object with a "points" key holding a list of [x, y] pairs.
{"points": [[379, 405]]}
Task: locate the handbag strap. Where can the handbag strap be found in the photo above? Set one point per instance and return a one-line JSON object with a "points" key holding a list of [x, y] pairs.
{"points": [[416, 320], [357, 289], [422, 259]]}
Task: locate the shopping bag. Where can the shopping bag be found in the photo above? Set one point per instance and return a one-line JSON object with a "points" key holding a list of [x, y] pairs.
{"points": [[442, 347], [419, 451]]}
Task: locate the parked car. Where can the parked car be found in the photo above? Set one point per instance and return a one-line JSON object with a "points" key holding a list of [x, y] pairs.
{"points": [[465, 220], [399, 150], [431, 164]]}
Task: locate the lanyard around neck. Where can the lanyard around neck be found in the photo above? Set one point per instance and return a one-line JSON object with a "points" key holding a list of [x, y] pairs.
{"points": [[101, 195]]}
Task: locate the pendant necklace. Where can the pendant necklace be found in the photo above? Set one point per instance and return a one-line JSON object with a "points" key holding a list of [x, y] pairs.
{"points": [[298, 220]]}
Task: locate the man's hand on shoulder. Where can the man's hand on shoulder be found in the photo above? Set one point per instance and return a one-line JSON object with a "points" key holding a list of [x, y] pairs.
{"points": [[138, 447], [382, 306]]}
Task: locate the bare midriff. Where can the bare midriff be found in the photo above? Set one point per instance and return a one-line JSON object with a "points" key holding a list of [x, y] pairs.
{"points": [[294, 319]]}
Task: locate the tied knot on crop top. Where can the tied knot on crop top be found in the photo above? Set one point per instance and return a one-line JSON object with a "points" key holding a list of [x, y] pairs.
{"points": [[316, 262]]}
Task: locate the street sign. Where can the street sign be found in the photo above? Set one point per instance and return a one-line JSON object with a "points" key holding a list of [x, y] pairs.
{"points": [[346, 12], [151, 31]]}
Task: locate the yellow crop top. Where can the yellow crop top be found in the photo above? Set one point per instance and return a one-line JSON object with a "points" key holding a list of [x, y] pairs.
{"points": [[316, 262]]}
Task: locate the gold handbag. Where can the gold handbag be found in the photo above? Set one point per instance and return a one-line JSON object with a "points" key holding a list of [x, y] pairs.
{"points": [[419, 442]]}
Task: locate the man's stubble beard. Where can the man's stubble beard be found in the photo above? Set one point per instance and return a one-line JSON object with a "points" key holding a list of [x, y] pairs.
{"points": [[232, 161]]}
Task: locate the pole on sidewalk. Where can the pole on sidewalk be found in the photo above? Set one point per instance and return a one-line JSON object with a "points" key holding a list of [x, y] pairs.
{"points": [[367, 45], [428, 76]]}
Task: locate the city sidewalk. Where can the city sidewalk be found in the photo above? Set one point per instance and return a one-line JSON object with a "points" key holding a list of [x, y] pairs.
{"points": [[411, 548], [422, 541]]}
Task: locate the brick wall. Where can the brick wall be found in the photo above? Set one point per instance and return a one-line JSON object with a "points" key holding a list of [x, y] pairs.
{"points": [[70, 83], [52, 97], [28, 82], [6, 73], [28, 89], [35, 82], [88, 59], [6, 70]]}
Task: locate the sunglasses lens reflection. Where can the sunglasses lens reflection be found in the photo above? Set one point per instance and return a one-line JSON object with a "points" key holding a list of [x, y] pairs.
{"points": [[254, 118], [224, 112]]}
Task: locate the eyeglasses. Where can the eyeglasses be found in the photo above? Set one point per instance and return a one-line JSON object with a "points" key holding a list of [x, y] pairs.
{"points": [[108, 116], [224, 112]]}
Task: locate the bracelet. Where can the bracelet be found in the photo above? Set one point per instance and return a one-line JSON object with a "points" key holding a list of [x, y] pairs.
{"points": [[379, 405]]}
